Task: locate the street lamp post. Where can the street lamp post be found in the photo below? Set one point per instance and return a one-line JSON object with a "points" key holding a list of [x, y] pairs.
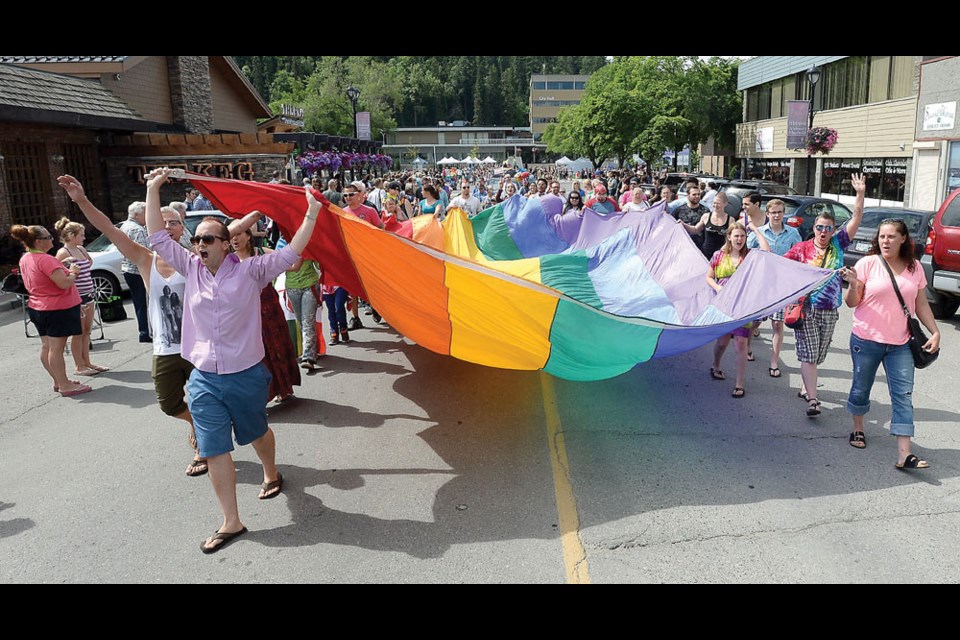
{"points": [[354, 94], [813, 76]]}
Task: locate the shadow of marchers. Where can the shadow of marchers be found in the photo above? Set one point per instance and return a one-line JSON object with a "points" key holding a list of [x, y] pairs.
{"points": [[332, 364], [487, 428], [13, 527], [328, 414]]}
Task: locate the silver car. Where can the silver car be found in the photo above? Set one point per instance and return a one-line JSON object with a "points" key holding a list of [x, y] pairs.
{"points": [[107, 277]]}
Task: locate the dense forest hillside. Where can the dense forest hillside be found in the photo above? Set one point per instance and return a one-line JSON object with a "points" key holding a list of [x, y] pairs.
{"points": [[406, 90]]}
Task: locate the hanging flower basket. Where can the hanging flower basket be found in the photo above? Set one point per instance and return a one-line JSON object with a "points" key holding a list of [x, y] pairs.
{"points": [[821, 140]]}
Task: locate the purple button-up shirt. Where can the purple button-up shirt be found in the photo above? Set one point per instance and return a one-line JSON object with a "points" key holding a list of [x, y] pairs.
{"points": [[221, 314]]}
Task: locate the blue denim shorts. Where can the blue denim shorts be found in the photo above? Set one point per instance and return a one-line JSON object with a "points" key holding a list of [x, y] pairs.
{"points": [[220, 403]]}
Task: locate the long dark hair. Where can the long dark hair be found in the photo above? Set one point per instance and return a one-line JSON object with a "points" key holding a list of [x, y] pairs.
{"points": [[569, 205], [907, 250]]}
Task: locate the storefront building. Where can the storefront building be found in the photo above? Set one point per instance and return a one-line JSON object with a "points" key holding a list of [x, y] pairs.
{"points": [[109, 120], [432, 144], [937, 147], [870, 100]]}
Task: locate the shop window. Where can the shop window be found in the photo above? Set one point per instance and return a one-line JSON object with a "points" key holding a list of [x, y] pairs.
{"points": [[28, 182], [894, 179], [873, 175], [763, 104], [836, 176], [539, 86]]}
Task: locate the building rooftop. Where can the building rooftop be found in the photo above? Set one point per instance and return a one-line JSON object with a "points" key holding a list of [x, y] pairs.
{"points": [[46, 59], [64, 99]]}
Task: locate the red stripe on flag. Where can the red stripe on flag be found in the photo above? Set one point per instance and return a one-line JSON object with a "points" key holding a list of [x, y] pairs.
{"points": [[286, 206]]}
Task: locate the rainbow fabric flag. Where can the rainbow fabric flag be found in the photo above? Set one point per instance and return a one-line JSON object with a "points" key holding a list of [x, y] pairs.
{"points": [[523, 286]]}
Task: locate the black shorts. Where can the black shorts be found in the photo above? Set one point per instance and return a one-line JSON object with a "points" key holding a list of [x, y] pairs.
{"points": [[61, 323]]}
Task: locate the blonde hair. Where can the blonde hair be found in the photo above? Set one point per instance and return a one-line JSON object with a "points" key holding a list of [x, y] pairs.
{"points": [[67, 228]]}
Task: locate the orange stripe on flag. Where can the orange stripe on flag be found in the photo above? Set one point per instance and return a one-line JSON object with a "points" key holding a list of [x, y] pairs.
{"points": [[405, 285]]}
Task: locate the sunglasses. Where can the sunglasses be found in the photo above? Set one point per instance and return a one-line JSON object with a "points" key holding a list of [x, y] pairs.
{"points": [[826, 228], [349, 194], [574, 197], [206, 239]]}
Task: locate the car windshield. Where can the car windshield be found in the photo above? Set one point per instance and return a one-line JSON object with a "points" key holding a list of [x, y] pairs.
{"points": [[872, 219], [100, 243]]}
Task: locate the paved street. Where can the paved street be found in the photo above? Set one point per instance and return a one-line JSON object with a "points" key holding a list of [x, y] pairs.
{"points": [[404, 466]]}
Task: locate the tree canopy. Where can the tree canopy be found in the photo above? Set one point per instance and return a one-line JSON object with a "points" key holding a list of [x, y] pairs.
{"points": [[646, 105], [406, 90]]}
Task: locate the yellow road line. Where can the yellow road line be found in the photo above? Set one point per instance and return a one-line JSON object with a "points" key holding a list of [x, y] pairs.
{"points": [[574, 555]]}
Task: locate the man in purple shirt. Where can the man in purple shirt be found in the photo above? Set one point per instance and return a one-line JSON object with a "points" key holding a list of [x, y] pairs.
{"points": [[221, 337]]}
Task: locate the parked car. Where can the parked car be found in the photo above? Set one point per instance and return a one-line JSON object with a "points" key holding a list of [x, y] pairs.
{"points": [[941, 258], [917, 221], [107, 277], [800, 212]]}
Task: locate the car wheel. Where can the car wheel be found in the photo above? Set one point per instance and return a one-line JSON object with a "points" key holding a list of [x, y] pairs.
{"points": [[945, 307], [105, 285]]}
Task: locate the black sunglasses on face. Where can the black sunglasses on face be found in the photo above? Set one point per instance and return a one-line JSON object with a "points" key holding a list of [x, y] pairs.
{"points": [[206, 239]]}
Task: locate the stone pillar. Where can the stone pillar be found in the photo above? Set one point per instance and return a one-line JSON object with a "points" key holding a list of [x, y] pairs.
{"points": [[190, 92]]}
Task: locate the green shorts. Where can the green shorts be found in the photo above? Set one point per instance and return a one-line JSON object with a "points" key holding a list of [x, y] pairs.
{"points": [[170, 375]]}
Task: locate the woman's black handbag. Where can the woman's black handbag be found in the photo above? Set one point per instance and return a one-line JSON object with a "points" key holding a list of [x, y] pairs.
{"points": [[111, 309], [13, 283], [921, 358]]}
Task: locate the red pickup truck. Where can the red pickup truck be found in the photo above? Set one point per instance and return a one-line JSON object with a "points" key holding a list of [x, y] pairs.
{"points": [[941, 259]]}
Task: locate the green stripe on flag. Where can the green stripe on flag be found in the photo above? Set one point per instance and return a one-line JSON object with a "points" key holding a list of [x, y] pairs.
{"points": [[492, 235], [567, 272], [586, 345]]}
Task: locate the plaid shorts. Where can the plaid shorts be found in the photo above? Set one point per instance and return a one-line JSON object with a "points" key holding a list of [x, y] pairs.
{"points": [[815, 334], [777, 315]]}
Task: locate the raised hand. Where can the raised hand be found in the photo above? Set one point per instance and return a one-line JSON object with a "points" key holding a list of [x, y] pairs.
{"points": [[858, 182], [72, 186], [157, 177]]}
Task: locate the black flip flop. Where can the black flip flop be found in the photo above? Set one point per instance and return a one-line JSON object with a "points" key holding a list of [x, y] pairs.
{"points": [[740, 394], [267, 486], [858, 436], [717, 374], [226, 537], [813, 408], [801, 394], [774, 372]]}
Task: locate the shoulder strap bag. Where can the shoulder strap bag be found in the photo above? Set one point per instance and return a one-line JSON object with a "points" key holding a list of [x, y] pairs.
{"points": [[921, 358]]}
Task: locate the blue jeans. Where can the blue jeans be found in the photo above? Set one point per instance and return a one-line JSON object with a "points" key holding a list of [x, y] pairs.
{"points": [[337, 310], [898, 364], [138, 293], [304, 304]]}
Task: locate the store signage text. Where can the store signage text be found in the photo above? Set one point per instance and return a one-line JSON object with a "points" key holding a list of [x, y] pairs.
{"points": [[234, 170]]}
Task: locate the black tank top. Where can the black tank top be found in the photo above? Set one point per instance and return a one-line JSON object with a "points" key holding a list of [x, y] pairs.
{"points": [[714, 236]]}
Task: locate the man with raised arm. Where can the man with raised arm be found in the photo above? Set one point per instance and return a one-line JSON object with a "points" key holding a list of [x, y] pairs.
{"points": [[222, 338]]}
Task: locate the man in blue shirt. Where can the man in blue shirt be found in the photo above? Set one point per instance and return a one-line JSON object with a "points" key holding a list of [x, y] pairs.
{"points": [[780, 238]]}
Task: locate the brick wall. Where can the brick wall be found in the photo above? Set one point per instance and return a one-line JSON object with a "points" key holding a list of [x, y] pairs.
{"points": [[53, 138], [124, 174], [190, 92]]}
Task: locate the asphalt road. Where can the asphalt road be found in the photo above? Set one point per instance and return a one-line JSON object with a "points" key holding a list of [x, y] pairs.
{"points": [[404, 466]]}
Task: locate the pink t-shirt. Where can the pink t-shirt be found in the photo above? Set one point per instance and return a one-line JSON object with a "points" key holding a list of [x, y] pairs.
{"points": [[367, 213], [45, 295], [879, 316]]}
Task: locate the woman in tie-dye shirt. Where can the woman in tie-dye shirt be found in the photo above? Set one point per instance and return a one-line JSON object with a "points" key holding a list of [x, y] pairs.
{"points": [[723, 265], [820, 313]]}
